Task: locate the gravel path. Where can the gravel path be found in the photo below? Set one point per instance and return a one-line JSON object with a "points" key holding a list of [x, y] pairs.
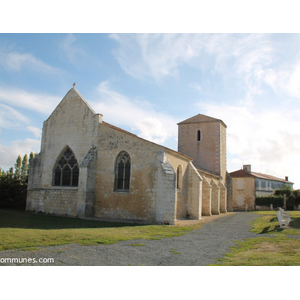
{"points": [[200, 247]]}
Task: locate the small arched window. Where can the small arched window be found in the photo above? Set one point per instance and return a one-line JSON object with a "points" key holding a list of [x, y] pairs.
{"points": [[199, 135], [179, 177], [122, 172], [66, 171]]}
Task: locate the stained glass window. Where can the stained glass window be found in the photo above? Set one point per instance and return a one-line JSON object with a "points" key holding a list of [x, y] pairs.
{"points": [[122, 172], [66, 171]]}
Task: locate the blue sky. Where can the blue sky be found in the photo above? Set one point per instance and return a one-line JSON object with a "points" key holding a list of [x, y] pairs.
{"points": [[147, 83]]}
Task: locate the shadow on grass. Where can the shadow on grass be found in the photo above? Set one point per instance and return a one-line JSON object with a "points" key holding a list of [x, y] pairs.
{"points": [[29, 220], [295, 223], [267, 229]]}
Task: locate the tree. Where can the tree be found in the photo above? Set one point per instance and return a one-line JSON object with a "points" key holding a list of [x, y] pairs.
{"points": [[292, 196], [13, 183], [18, 166], [296, 194], [285, 189], [31, 157], [24, 169], [10, 172]]}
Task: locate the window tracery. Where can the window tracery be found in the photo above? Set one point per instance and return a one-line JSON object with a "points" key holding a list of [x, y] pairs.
{"points": [[122, 172], [66, 171]]}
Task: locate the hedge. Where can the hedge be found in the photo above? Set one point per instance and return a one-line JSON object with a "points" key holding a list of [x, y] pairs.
{"points": [[12, 193], [267, 200]]}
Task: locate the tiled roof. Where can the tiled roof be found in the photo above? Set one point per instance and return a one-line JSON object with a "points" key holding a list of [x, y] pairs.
{"points": [[242, 173], [201, 119], [201, 170], [117, 128], [269, 177], [171, 150]]}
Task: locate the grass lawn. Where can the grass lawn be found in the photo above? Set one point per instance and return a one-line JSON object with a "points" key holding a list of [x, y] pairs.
{"points": [[279, 250], [26, 230]]}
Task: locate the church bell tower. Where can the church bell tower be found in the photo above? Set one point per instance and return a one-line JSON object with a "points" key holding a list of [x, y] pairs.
{"points": [[203, 138]]}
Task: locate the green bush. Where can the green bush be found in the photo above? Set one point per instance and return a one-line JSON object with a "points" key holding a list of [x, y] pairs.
{"points": [[296, 194], [285, 189], [12, 193], [13, 184], [277, 201]]}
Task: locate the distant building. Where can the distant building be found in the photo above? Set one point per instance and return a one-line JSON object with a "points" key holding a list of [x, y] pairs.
{"points": [[247, 185]]}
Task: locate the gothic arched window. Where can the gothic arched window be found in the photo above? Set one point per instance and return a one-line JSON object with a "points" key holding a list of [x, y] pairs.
{"points": [[122, 172], [66, 171]]}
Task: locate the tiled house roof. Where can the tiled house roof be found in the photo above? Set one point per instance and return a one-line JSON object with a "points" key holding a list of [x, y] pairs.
{"points": [[269, 177]]}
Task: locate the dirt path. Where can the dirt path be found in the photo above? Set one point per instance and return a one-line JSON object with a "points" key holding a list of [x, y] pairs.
{"points": [[201, 247]]}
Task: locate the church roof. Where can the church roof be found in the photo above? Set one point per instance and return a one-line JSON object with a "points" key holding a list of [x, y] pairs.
{"points": [[127, 132], [202, 170], [201, 119]]}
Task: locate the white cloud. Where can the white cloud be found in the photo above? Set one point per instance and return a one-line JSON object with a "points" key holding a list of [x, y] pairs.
{"points": [[37, 132], [42, 103], [196, 86], [154, 55], [9, 154], [10, 118], [268, 140], [153, 129], [138, 115], [72, 51], [285, 80], [160, 55], [16, 61]]}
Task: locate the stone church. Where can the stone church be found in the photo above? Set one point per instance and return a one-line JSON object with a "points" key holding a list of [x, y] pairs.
{"points": [[90, 168]]}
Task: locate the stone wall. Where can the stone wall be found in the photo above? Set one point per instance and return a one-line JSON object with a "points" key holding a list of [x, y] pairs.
{"points": [[246, 192], [54, 201], [223, 153], [194, 203], [215, 198], [87, 184], [228, 185], [223, 198], [206, 197], [166, 195], [210, 152], [140, 202], [74, 124], [180, 162]]}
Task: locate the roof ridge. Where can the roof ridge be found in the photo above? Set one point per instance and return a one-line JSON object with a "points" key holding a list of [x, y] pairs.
{"points": [[79, 95], [200, 118], [270, 177], [166, 148], [258, 175]]}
